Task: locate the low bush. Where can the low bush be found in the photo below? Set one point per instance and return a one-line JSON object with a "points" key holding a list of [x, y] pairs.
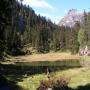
{"points": [[44, 85], [55, 84]]}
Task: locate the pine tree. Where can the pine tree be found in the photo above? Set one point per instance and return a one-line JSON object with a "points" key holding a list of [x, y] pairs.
{"points": [[5, 21], [82, 37]]}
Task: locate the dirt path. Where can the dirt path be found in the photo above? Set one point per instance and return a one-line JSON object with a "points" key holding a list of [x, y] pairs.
{"points": [[45, 57]]}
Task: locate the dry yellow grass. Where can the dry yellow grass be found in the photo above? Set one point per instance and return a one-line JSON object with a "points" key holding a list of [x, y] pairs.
{"points": [[46, 57]]}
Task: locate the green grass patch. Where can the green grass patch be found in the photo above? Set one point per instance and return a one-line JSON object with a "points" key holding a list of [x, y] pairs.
{"points": [[79, 77]]}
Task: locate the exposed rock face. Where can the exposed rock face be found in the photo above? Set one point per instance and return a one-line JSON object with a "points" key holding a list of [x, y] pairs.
{"points": [[84, 51], [71, 18]]}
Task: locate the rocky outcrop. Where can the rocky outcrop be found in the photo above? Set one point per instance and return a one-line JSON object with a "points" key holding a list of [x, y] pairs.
{"points": [[71, 18], [84, 51]]}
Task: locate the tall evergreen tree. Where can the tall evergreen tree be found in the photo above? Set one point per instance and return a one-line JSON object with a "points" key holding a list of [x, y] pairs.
{"points": [[82, 37], [5, 21]]}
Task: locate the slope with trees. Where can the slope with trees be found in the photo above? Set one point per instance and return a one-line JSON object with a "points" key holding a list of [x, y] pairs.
{"points": [[21, 27]]}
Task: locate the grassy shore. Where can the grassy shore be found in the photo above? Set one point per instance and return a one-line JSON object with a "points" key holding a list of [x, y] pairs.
{"points": [[78, 77], [28, 73]]}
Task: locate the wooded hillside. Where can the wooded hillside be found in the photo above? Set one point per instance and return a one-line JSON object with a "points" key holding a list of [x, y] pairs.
{"points": [[20, 27]]}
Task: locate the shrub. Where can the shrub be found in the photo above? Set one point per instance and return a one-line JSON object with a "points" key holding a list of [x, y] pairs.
{"points": [[44, 85], [61, 84], [54, 84]]}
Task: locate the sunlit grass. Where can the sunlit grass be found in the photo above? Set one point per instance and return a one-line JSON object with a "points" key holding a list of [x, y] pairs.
{"points": [[82, 78], [78, 76], [85, 58], [32, 82]]}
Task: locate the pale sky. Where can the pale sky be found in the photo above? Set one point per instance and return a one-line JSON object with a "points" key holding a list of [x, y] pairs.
{"points": [[56, 9]]}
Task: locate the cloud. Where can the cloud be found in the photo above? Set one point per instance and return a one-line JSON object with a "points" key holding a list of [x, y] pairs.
{"points": [[38, 4]]}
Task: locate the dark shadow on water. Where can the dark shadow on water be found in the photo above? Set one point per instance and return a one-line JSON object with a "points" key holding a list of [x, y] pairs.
{"points": [[30, 68]]}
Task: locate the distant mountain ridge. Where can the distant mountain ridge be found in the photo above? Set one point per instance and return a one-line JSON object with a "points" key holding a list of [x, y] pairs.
{"points": [[71, 18]]}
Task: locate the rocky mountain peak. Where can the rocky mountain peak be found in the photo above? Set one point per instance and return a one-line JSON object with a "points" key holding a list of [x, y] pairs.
{"points": [[72, 11], [71, 18]]}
